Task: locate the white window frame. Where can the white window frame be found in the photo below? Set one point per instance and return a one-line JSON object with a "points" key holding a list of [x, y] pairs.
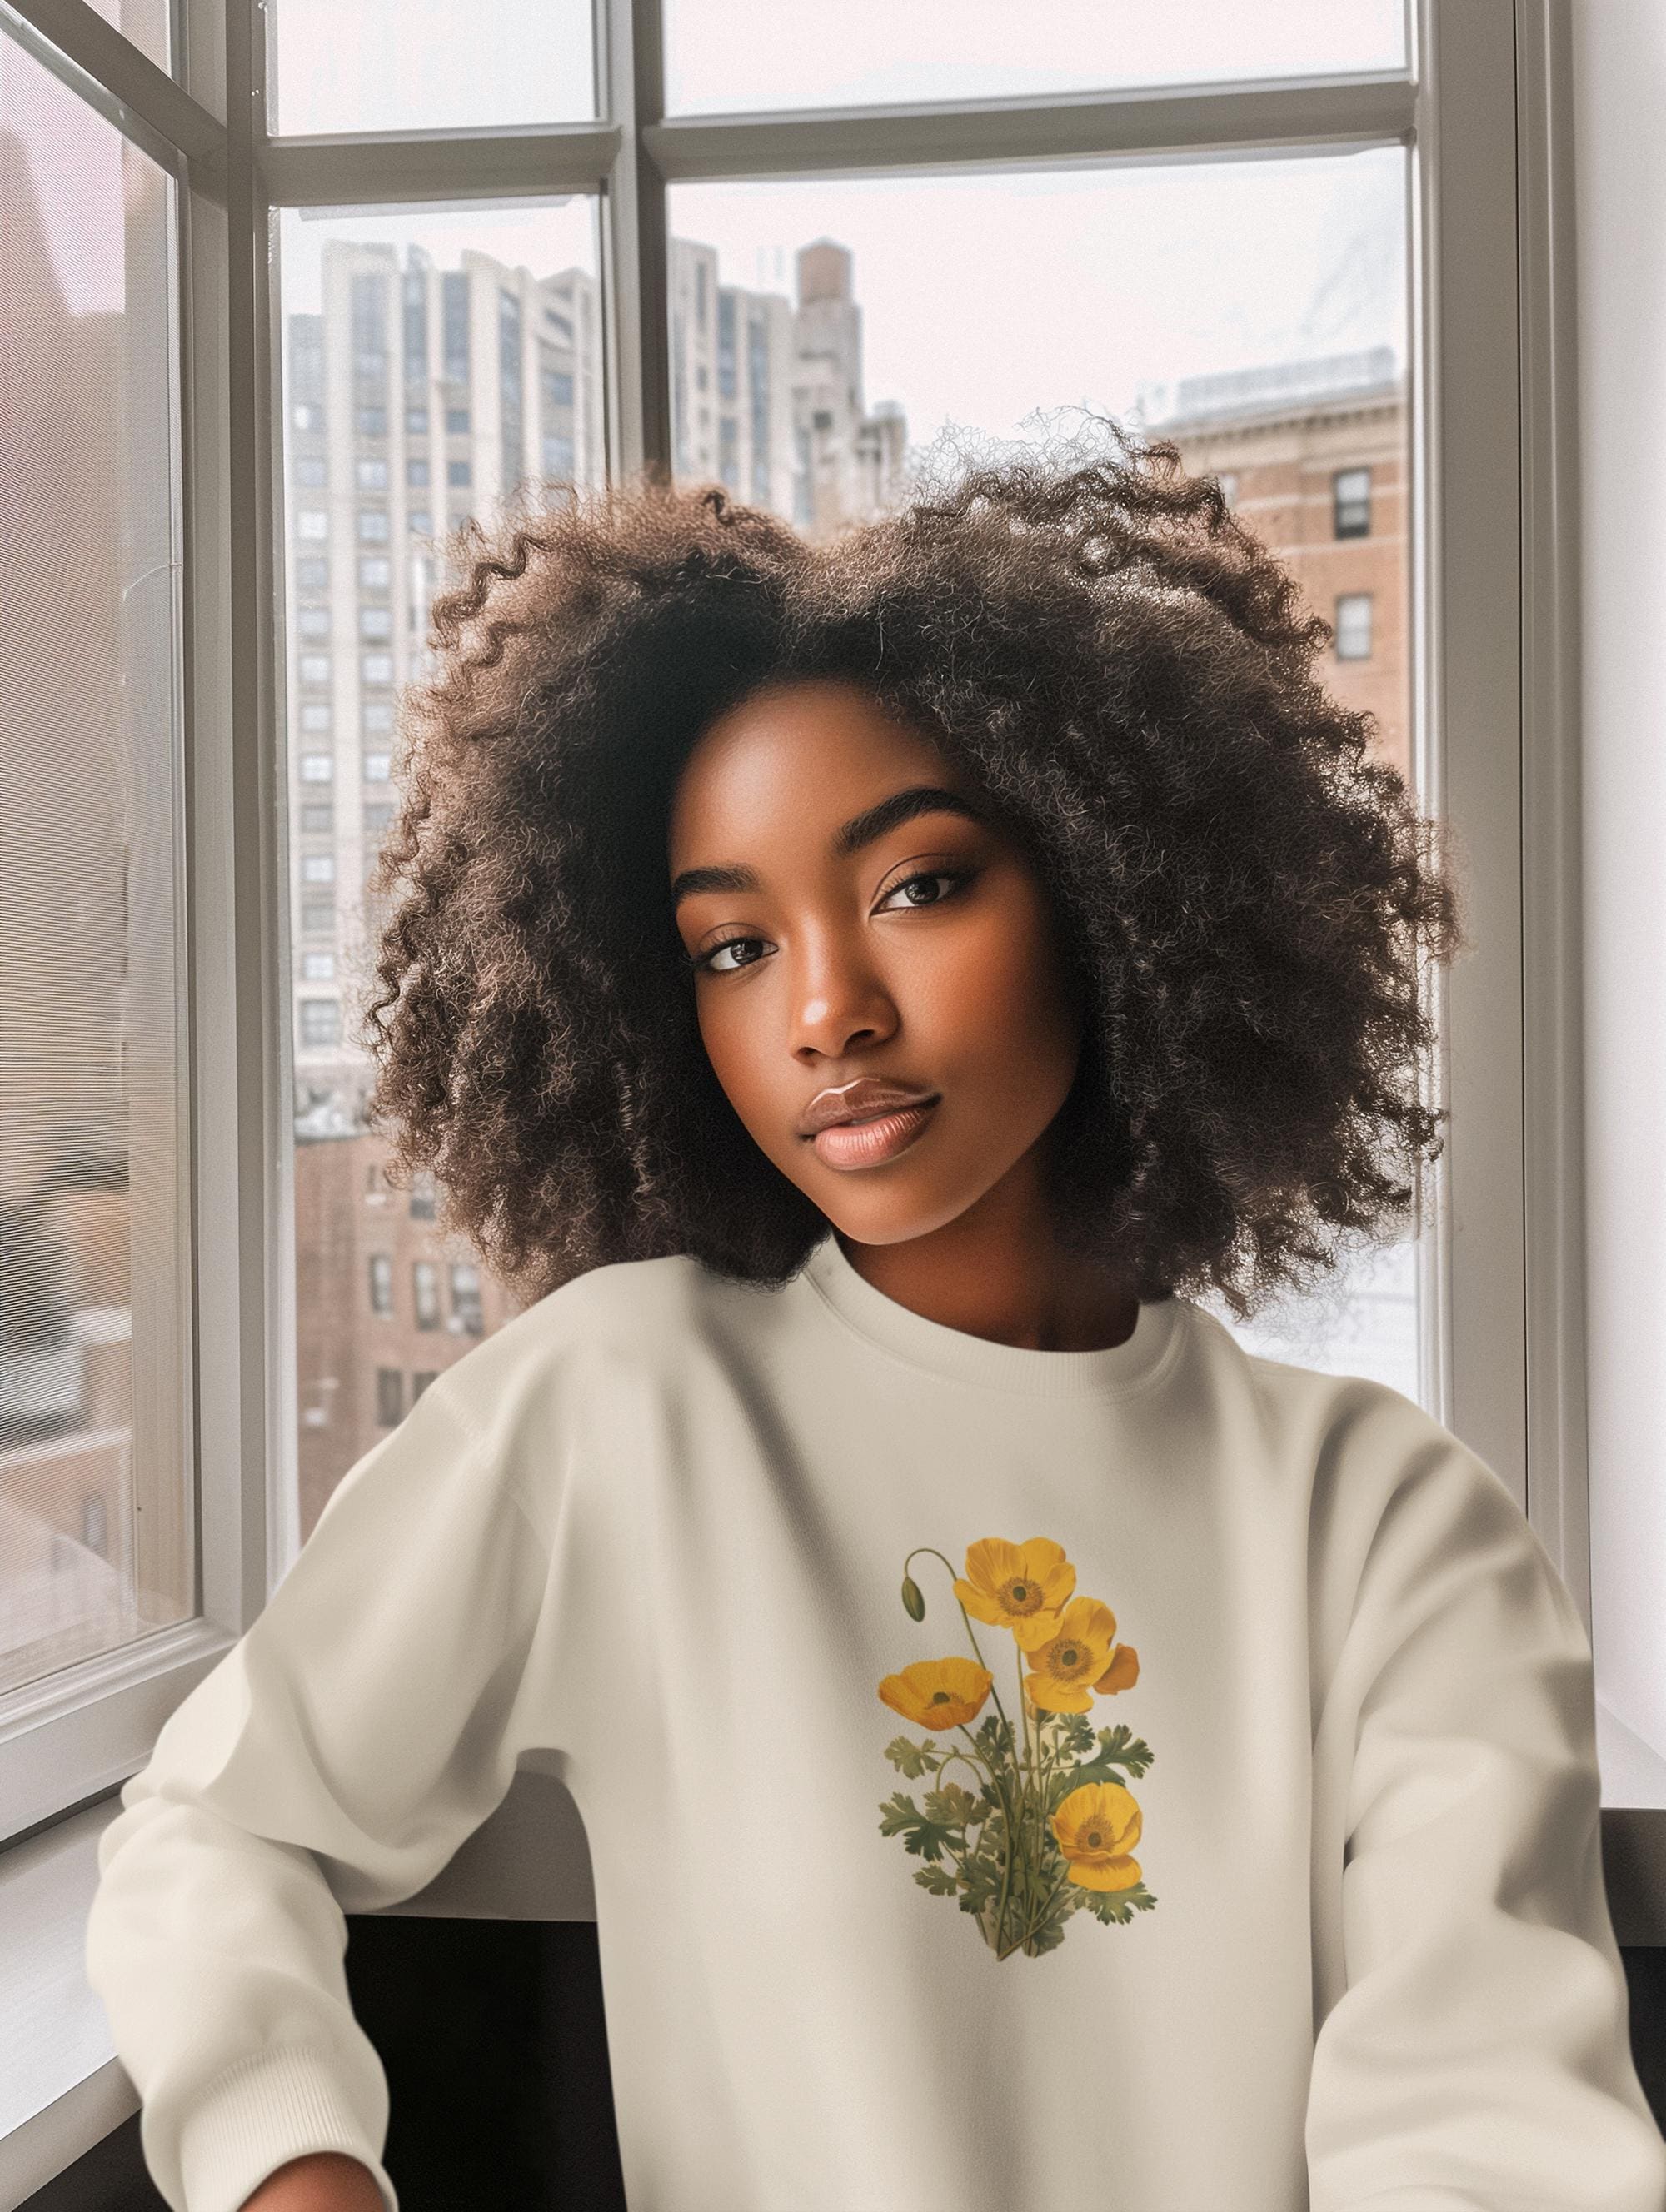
{"points": [[1483, 109]]}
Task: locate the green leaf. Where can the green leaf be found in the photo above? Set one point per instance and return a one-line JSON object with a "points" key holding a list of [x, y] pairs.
{"points": [[914, 1759], [938, 1880], [952, 1805], [922, 1835], [1119, 1758], [1116, 1905]]}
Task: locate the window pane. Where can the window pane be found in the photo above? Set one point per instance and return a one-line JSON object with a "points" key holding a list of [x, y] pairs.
{"points": [[96, 1498], [144, 21], [1256, 313], [428, 65], [473, 339], [739, 55]]}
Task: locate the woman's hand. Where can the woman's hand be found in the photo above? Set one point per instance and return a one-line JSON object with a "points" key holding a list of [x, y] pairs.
{"points": [[322, 2181]]}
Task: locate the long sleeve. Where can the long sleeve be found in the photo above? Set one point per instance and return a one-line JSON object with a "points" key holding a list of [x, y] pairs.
{"points": [[332, 1761], [1475, 2055]]}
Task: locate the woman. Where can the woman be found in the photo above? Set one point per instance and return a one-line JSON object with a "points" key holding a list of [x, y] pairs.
{"points": [[1031, 1751]]}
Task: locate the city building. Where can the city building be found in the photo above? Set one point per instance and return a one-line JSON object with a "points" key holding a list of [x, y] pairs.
{"points": [[1311, 456]]}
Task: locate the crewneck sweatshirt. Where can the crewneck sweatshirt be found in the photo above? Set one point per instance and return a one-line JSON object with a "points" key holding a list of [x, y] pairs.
{"points": [[1152, 1778]]}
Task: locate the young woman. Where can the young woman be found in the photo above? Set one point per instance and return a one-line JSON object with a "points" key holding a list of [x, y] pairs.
{"points": [[1032, 1753]]}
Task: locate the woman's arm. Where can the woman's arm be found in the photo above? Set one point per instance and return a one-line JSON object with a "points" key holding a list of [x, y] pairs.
{"points": [[369, 1720], [1472, 2051], [324, 2181]]}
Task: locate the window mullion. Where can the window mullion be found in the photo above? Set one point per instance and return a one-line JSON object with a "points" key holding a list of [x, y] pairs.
{"points": [[630, 71]]}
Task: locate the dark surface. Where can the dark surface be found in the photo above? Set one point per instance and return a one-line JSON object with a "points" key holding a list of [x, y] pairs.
{"points": [[493, 2037]]}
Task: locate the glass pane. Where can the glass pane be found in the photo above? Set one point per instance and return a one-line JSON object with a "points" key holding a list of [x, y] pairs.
{"points": [[434, 368], [144, 21], [735, 56], [95, 1500], [1255, 311], [434, 65]]}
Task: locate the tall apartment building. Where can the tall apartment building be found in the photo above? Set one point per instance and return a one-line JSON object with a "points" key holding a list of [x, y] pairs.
{"points": [[1311, 455], [418, 397]]}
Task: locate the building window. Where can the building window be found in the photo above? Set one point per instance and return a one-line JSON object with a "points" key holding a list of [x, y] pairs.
{"points": [[378, 820], [558, 456], [420, 522], [312, 573], [317, 767], [376, 667], [318, 868], [372, 476], [378, 715], [423, 1197], [372, 525], [417, 472], [381, 1285], [1350, 491], [318, 918], [318, 818], [318, 967], [311, 471], [1353, 626], [454, 325], [375, 623], [315, 717], [390, 1397], [314, 667], [466, 1299], [313, 621], [459, 474], [457, 421], [425, 1290], [420, 1380], [376, 767], [375, 571], [312, 522], [372, 421], [557, 388], [306, 416], [1229, 487], [321, 1023]]}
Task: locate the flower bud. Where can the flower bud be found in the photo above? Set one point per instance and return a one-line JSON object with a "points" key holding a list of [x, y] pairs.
{"points": [[914, 1603]]}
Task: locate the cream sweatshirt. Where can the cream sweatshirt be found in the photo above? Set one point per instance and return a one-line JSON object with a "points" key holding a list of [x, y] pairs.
{"points": [[1150, 1780]]}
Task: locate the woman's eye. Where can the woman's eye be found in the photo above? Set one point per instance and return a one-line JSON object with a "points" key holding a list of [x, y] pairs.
{"points": [[714, 959], [952, 877]]}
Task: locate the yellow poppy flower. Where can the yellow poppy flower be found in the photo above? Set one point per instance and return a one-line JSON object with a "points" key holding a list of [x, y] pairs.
{"points": [[1023, 1587], [1066, 1667], [1097, 1826], [1123, 1673], [937, 1694]]}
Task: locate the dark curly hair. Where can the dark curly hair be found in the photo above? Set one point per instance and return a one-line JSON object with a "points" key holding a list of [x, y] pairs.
{"points": [[1126, 673]]}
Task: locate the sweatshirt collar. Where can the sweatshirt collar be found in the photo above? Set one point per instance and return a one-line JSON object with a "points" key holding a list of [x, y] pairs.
{"points": [[1111, 1371]]}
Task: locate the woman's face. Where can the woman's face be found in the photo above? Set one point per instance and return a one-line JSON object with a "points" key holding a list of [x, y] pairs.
{"points": [[856, 913]]}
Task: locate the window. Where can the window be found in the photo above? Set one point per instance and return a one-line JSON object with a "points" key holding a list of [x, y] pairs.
{"points": [[375, 571], [376, 667], [381, 1285], [311, 470], [371, 422], [313, 621], [465, 1305], [419, 1382], [318, 818], [375, 623], [314, 667], [425, 1292], [372, 476], [373, 525], [378, 820], [457, 421], [312, 522], [416, 421], [424, 1197], [459, 473], [312, 572], [318, 918], [417, 471], [317, 768], [390, 1397], [557, 456], [420, 522], [318, 868], [318, 967], [320, 1022], [1351, 503], [376, 767], [557, 387], [314, 716], [1353, 626], [305, 417]]}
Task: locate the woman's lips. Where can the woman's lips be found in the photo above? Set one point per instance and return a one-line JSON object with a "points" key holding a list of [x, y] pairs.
{"points": [[864, 1143]]}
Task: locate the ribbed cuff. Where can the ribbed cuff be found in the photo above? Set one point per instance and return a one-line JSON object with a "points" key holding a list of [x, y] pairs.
{"points": [[270, 2107]]}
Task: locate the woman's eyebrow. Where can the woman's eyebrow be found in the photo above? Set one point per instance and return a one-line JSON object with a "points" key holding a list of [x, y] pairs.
{"points": [[849, 837]]}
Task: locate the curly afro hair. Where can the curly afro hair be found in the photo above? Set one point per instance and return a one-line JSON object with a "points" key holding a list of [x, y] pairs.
{"points": [[1127, 674]]}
